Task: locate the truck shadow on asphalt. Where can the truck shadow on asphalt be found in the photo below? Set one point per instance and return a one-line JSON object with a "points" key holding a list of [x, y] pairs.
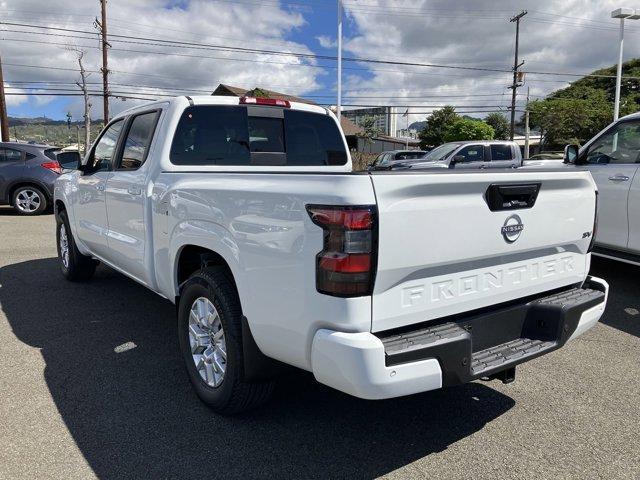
{"points": [[133, 414], [624, 285]]}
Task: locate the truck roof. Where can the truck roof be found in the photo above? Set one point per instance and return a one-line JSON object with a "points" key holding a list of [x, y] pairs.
{"points": [[212, 100]]}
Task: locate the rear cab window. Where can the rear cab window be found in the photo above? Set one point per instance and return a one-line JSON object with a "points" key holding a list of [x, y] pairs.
{"points": [[243, 136]]}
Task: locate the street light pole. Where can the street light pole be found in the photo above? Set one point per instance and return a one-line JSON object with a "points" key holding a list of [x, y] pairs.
{"points": [[621, 13], [339, 106]]}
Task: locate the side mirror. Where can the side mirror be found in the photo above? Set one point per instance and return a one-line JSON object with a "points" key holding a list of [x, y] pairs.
{"points": [[457, 159], [570, 154]]}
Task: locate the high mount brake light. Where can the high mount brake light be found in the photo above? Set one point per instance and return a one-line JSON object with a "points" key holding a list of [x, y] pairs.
{"points": [[273, 102], [53, 165], [346, 265], [595, 227]]}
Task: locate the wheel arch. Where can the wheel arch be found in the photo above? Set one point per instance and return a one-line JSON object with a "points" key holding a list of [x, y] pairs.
{"points": [[11, 189], [191, 258]]}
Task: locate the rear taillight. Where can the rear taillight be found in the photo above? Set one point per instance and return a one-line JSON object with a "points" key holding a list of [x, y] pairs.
{"points": [[346, 265], [273, 102], [53, 165], [595, 227]]}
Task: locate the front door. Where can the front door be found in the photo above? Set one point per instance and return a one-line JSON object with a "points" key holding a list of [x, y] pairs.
{"points": [[11, 168], [126, 197], [471, 156], [612, 159], [90, 207]]}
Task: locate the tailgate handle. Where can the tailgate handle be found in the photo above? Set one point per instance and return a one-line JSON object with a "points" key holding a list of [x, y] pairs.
{"points": [[511, 197]]}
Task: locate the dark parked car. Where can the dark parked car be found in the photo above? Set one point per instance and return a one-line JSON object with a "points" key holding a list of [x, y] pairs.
{"points": [[386, 160], [27, 173]]}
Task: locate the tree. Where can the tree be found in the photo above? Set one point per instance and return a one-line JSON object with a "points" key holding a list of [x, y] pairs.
{"points": [[576, 113], [369, 128], [437, 125], [85, 94], [467, 129], [500, 126]]}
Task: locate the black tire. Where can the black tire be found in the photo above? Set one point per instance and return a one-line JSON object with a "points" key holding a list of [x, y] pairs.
{"points": [[79, 267], [35, 206], [234, 394]]}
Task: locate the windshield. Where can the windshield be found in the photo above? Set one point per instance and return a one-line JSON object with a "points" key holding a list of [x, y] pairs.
{"points": [[440, 153]]}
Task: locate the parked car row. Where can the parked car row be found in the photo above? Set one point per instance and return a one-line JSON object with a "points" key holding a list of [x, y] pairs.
{"points": [[28, 172]]}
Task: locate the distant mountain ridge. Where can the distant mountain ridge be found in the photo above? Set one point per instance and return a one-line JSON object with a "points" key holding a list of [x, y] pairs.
{"points": [[17, 121]]}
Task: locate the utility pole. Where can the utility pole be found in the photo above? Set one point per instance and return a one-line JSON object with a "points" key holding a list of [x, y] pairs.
{"points": [[4, 121], [514, 85], [339, 106], [102, 26], [526, 129]]}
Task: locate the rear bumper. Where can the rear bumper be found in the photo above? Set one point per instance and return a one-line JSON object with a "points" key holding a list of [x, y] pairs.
{"points": [[455, 350]]}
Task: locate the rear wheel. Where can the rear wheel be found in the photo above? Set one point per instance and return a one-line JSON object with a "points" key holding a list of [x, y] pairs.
{"points": [[75, 266], [210, 334], [29, 200]]}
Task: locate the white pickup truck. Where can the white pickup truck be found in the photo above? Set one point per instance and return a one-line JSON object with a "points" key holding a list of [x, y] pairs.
{"points": [[245, 214]]}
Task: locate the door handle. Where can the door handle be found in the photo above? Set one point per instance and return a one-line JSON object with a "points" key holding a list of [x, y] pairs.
{"points": [[619, 178], [134, 190]]}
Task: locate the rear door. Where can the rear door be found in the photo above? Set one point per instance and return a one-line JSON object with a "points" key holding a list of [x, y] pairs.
{"points": [[442, 251], [126, 198], [11, 168], [612, 159]]}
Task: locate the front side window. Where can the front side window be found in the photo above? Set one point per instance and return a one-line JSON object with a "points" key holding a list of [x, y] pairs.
{"points": [[471, 153], [621, 144], [501, 152], [228, 135], [100, 159], [138, 140]]}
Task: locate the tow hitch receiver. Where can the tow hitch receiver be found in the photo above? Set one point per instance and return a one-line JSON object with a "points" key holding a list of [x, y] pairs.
{"points": [[505, 376]]}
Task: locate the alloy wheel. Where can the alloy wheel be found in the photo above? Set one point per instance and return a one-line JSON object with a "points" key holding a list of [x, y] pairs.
{"points": [[206, 338], [28, 201], [64, 246]]}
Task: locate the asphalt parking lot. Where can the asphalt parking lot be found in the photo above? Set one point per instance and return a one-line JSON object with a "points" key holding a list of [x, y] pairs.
{"points": [[72, 405]]}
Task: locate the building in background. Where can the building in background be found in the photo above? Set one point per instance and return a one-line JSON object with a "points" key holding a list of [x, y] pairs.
{"points": [[386, 118]]}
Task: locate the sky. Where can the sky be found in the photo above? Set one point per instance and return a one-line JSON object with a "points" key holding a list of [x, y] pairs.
{"points": [[465, 50]]}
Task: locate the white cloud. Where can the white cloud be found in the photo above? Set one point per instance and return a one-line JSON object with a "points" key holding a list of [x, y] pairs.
{"points": [[571, 36], [173, 70], [327, 42]]}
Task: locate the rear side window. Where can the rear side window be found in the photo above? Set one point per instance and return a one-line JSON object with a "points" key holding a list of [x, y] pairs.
{"points": [[227, 135], [501, 152], [10, 155], [136, 145]]}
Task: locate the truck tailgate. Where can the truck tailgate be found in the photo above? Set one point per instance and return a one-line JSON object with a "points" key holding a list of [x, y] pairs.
{"points": [[442, 251]]}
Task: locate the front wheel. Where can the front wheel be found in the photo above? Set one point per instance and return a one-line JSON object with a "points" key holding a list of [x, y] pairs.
{"points": [[74, 265], [210, 335]]}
